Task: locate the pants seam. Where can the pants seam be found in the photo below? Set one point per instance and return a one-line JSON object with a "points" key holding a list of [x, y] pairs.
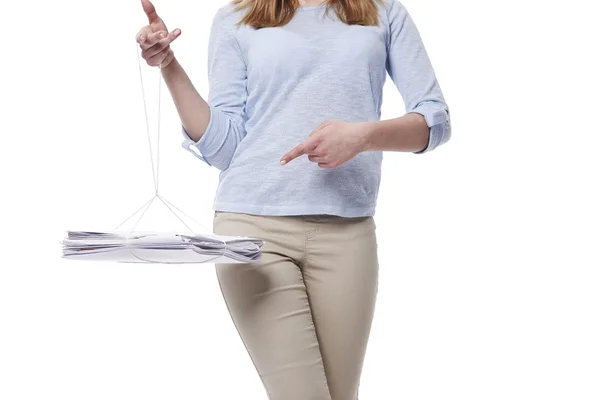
{"points": [[314, 334], [304, 255], [308, 235]]}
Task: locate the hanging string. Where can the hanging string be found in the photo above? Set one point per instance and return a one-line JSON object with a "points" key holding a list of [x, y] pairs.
{"points": [[156, 171], [137, 211], [147, 122], [155, 174], [142, 216], [158, 129], [178, 217], [192, 219]]}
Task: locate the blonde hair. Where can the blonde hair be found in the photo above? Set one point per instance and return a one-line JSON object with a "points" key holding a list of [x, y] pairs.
{"points": [[273, 13]]}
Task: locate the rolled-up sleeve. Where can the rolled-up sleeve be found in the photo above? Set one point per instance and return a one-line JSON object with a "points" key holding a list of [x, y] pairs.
{"points": [[227, 95], [410, 69]]}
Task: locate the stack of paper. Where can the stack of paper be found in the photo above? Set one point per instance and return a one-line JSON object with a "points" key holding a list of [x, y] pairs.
{"points": [[161, 247]]}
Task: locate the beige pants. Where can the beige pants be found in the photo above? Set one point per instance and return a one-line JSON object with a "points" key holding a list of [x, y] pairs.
{"points": [[304, 311]]}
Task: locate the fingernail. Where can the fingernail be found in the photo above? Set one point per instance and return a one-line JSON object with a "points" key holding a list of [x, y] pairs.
{"points": [[162, 35], [282, 162]]}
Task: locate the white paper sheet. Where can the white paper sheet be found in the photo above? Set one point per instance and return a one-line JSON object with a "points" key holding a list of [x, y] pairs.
{"points": [[160, 247]]}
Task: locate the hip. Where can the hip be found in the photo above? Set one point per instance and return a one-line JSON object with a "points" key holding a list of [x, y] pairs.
{"points": [[298, 235]]}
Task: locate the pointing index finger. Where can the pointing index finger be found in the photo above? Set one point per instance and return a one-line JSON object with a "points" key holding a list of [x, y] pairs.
{"points": [[297, 151], [150, 11]]}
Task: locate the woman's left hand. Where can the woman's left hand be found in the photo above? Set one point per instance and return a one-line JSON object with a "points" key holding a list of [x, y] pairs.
{"points": [[332, 143]]}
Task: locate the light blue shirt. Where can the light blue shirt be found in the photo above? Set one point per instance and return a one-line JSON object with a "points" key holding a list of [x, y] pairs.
{"points": [[270, 88]]}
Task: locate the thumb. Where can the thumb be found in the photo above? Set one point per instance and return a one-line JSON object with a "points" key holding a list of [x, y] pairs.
{"points": [[174, 34]]}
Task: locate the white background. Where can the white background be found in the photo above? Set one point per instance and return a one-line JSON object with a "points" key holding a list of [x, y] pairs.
{"points": [[489, 246]]}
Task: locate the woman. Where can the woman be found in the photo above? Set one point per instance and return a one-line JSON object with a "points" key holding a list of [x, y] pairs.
{"points": [[293, 123]]}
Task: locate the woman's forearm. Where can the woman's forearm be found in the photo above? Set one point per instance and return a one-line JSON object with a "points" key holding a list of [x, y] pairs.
{"points": [[409, 133], [192, 108]]}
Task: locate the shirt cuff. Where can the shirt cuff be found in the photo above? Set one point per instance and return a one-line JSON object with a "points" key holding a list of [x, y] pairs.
{"points": [[438, 121], [212, 139]]}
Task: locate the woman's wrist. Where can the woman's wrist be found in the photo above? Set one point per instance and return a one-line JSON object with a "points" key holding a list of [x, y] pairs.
{"points": [[173, 72], [369, 132], [170, 62]]}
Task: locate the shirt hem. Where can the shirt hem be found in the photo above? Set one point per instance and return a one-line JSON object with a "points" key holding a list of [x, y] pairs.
{"points": [[269, 210]]}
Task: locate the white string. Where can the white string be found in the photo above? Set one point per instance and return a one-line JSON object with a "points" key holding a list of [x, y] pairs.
{"points": [[192, 219], [131, 250], [158, 128], [138, 210], [141, 216], [155, 172], [147, 122], [155, 175], [178, 217]]}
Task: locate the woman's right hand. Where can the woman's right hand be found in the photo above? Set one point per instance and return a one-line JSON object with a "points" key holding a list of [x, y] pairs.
{"points": [[155, 39]]}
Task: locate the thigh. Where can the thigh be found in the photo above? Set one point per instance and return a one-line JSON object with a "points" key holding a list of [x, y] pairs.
{"points": [[341, 274], [269, 307]]}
